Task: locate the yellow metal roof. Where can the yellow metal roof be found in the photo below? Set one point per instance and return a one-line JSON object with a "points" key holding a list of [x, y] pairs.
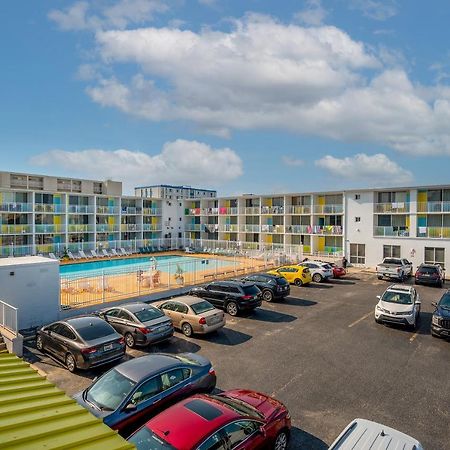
{"points": [[36, 415]]}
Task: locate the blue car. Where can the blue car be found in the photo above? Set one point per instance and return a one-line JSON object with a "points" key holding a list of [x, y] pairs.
{"points": [[440, 322], [129, 394]]}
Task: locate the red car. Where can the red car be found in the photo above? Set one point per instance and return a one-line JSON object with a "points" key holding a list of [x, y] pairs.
{"points": [[237, 420], [338, 271]]}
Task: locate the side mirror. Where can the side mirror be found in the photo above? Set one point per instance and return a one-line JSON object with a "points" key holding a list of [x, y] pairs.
{"points": [[130, 407], [379, 297], [417, 302], [434, 304]]}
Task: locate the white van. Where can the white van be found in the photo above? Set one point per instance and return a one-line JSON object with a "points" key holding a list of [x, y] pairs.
{"points": [[363, 434]]}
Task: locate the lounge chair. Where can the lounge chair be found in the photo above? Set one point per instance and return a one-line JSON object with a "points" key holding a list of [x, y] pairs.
{"points": [[105, 253], [83, 255], [52, 256], [114, 252], [123, 252], [72, 256], [95, 255]]}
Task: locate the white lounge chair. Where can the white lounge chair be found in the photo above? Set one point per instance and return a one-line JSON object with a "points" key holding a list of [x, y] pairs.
{"points": [[72, 256], [114, 252], [105, 253], [123, 252], [94, 254], [52, 256], [83, 255]]}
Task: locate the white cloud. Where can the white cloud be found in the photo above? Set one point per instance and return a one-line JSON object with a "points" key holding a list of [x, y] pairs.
{"points": [[84, 16], [180, 161], [375, 169], [313, 14], [291, 161], [376, 9]]}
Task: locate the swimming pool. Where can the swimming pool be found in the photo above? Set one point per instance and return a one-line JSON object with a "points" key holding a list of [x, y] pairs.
{"points": [[170, 264]]}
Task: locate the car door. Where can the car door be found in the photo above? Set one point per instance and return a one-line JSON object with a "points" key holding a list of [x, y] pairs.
{"points": [[168, 309], [125, 322], [111, 316], [178, 313], [49, 341], [245, 434], [284, 272], [59, 341], [216, 294], [176, 384]]}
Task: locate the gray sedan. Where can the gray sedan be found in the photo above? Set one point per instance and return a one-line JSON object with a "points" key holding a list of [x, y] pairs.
{"points": [[139, 323], [81, 342]]}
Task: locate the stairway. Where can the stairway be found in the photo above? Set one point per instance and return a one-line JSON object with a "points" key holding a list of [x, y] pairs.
{"points": [[2, 345]]}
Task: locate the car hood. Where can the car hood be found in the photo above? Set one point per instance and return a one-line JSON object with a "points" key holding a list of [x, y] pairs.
{"points": [[266, 405], [395, 307], [443, 312], [79, 398]]}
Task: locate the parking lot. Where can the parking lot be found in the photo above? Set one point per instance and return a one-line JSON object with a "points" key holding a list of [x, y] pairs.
{"points": [[322, 354]]}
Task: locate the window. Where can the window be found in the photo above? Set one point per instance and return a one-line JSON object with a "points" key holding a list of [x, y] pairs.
{"points": [[391, 251], [125, 316], [147, 390], [435, 255], [357, 253], [112, 312], [172, 378], [357, 196], [180, 308], [66, 332], [170, 306], [215, 442], [357, 219], [238, 432]]}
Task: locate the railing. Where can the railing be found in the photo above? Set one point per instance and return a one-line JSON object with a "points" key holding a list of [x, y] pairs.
{"points": [[8, 317], [80, 228], [434, 232], [210, 211], [298, 209], [234, 228], [151, 211], [130, 227], [49, 228], [436, 207], [151, 226], [334, 230], [108, 210], [16, 207], [395, 207], [272, 209], [328, 209], [298, 229], [391, 231], [193, 227], [250, 228], [15, 250], [49, 208], [272, 228], [15, 229], [132, 210], [228, 211], [250, 210], [106, 228], [80, 209]]}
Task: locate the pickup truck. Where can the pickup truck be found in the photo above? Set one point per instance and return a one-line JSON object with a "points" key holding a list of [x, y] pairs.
{"points": [[399, 268]]}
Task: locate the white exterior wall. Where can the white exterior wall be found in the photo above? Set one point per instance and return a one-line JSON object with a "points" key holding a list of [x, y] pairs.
{"points": [[172, 209]]}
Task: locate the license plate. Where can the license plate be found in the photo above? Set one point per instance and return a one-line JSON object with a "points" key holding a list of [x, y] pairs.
{"points": [[215, 320], [107, 347]]}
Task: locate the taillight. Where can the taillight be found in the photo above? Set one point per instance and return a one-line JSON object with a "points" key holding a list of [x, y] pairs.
{"points": [[211, 371], [144, 330], [247, 297], [417, 274], [202, 321], [435, 275], [122, 341], [398, 269], [88, 351]]}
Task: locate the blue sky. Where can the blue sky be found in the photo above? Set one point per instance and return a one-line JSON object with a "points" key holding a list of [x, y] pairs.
{"points": [[254, 96]]}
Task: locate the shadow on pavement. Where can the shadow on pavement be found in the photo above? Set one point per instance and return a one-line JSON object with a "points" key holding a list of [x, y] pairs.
{"points": [[264, 315], [225, 336], [302, 439], [340, 281], [173, 345], [318, 286], [297, 302]]}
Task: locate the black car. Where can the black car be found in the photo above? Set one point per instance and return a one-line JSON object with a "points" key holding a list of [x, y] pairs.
{"points": [[232, 296], [139, 323], [440, 323], [81, 342], [430, 274], [271, 286]]}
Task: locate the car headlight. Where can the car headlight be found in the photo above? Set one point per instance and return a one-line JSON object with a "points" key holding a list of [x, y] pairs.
{"points": [[379, 308], [435, 320]]}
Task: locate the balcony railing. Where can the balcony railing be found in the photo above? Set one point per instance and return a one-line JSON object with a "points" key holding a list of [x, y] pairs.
{"points": [[107, 228], [193, 211], [124, 227], [15, 229], [210, 211], [333, 230], [434, 232], [80, 209], [250, 228], [250, 210], [49, 208], [299, 229], [151, 226], [272, 209], [193, 227], [131, 210], [151, 211], [272, 228], [234, 228], [398, 231], [298, 209], [395, 207], [228, 211], [80, 228], [16, 207], [433, 207], [328, 209], [108, 210], [49, 228]]}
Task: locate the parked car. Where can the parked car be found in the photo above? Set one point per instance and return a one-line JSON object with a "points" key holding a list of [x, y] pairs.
{"points": [[361, 434], [297, 275], [430, 274], [320, 271], [192, 315], [400, 305], [440, 322], [338, 271], [81, 342], [131, 392], [273, 287], [238, 420], [399, 268], [232, 296], [139, 323]]}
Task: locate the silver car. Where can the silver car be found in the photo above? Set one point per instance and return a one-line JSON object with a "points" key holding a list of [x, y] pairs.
{"points": [[139, 323]]}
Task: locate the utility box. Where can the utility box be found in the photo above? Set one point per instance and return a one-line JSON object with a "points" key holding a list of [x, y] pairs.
{"points": [[31, 284]]}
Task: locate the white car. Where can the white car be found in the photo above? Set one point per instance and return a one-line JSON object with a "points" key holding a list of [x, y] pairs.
{"points": [[319, 270], [400, 305], [361, 434]]}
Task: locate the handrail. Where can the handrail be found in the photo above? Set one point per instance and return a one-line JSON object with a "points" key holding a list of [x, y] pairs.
{"points": [[8, 317]]}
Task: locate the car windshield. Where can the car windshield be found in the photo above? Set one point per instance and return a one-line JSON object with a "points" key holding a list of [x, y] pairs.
{"points": [[251, 290], [239, 406], [391, 261], [326, 266], [95, 330], [108, 392], [402, 298], [445, 301], [202, 307], [145, 439], [425, 269], [147, 314]]}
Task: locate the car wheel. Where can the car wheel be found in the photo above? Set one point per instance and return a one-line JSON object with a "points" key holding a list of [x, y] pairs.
{"points": [[379, 277], [298, 282], [39, 344], [129, 340], [267, 295], [317, 278], [70, 363], [187, 329], [281, 441], [232, 309]]}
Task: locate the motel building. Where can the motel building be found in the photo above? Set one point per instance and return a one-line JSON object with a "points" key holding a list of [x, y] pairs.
{"points": [[42, 214]]}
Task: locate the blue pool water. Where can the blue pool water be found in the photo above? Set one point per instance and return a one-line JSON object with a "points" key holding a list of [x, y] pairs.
{"points": [[168, 264]]}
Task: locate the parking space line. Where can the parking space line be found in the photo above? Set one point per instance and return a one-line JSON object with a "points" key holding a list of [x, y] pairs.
{"points": [[411, 339], [360, 319]]}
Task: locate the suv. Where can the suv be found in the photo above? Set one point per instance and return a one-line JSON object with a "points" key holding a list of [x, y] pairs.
{"points": [[400, 305], [320, 271], [440, 323], [271, 286], [232, 296], [430, 274]]}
